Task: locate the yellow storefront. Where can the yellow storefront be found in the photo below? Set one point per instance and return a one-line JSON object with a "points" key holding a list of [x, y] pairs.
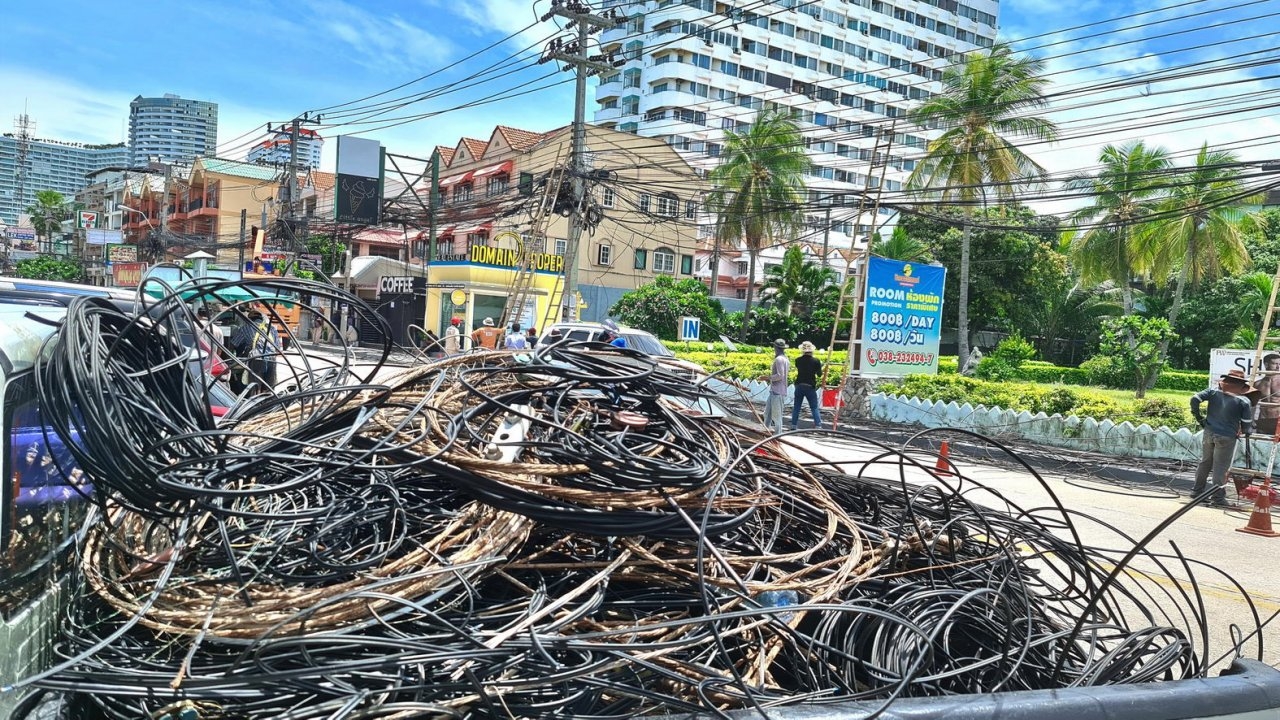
{"points": [[478, 286]]}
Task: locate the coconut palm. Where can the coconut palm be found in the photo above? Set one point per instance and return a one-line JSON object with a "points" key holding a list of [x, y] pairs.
{"points": [[797, 284], [1199, 234], [1126, 193], [901, 246], [47, 213], [758, 189], [985, 100]]}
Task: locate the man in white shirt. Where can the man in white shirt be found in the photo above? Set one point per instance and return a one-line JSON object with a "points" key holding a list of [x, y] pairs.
{"points": [[452, 336], [515, 339]]}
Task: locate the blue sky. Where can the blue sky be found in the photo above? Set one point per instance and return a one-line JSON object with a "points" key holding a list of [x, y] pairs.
{"points": [[76, 68]]}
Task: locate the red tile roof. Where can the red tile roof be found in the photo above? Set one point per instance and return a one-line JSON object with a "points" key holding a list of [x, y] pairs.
{"points": [[475, 147], [446, 153], [322, 180], [519, 140]]}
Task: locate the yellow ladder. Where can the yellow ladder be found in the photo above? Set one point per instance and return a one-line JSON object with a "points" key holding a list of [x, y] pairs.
{"points": [[853, 285], [522, 284]]}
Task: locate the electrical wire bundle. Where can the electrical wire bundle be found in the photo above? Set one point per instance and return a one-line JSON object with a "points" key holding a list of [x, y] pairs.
{"points": [[571, 531]]}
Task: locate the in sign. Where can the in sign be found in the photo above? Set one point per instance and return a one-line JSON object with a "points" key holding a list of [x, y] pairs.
{"points": [[690, 328]]}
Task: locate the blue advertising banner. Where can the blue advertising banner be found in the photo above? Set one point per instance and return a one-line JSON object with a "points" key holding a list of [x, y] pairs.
{"points": [[902, 318]]}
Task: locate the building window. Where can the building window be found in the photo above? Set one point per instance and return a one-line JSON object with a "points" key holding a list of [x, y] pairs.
{"points": [[496, 186], [608, 198], [562, 246], [690, 209], [740, 293], [743, 267], [668, 205], [686, 264], [526, 183], [664, 261], [642, 259], [462, 193], [604, 254], [644, 202]]}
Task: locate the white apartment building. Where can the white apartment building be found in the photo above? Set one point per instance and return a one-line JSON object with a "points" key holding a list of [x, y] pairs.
{"points": [[276, 150], [47, 165], [849, 68], [171, 129]]}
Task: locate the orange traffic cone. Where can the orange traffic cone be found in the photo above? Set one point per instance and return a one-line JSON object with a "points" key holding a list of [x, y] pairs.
{"points": [[943, 466], [1260, 520]]}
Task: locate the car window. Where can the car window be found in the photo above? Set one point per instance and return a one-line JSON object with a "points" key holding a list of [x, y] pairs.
{"points": [[580, 335], [647, 344]]}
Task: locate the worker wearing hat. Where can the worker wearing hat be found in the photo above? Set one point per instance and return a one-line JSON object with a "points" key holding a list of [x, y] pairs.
{"points": [[807, 369], [453, 337], [1230, 414], [778, 373], [486, 337], [612, 334]]}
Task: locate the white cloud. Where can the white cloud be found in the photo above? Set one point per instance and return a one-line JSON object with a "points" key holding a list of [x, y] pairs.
{"points": [[382, 41]]}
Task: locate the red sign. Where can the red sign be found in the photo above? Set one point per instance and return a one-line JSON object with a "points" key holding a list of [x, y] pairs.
{"points": [[128, 274]]}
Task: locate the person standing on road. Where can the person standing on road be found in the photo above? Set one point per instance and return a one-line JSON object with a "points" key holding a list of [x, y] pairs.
{"points": [[515, 339], [452, 337], [216, 338], [531, 337], [486, 336], [807, 369], [777, 386], [1230, 415]]}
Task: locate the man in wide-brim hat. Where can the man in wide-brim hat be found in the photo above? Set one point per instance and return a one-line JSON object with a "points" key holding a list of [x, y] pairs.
{"points": [[1230, 415]]}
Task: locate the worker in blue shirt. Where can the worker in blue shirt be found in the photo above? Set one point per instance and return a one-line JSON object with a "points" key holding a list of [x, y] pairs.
{"points": [[612, 334], [1230, 415]]}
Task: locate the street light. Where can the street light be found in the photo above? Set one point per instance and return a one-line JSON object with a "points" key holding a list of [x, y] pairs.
{"points": [[150, 223]]}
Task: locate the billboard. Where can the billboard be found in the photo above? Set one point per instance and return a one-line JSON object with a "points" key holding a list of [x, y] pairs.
{"points": [[122, 253], [128, 274], [901, 318], [358, 185], [103, 237]]}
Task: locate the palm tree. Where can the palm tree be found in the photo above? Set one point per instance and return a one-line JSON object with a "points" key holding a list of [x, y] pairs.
{"points": [[47, 213], [984, 100], [758, 189], [1200, 233], [1126, 193], [798, 283], [901, 246]]}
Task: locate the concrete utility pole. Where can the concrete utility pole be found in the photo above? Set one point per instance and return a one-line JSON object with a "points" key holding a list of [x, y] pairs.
{"points": [[291, 191], [573, 54]]}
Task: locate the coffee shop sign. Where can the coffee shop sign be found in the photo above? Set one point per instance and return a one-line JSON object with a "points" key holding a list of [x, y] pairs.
{"points": [[506, 257]]}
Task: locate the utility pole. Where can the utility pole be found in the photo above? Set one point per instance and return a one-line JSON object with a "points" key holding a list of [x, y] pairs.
{"points": [[573, 54], [244, 219], [24, 125], [290, 189]]}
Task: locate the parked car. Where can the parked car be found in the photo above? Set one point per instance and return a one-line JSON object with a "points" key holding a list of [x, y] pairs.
{"points": [[637, 339], [203, 363]]}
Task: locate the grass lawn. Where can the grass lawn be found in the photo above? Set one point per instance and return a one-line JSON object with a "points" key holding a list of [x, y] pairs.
{"points": [[1179, 396]]}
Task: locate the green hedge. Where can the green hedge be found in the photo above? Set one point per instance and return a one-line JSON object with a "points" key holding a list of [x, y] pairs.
{"points": [[1034, 398], [750, 362]]}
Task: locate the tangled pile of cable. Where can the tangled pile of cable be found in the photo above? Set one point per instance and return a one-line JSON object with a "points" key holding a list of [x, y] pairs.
{"points": [[570, 531]]}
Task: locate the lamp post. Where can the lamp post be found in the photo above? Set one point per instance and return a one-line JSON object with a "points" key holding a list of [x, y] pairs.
{"points": [[150, 222]]}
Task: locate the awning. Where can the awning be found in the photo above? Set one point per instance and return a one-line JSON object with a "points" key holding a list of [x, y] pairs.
{"points": [[443, 232], [451, 181], [481, 228], [502, 168]]}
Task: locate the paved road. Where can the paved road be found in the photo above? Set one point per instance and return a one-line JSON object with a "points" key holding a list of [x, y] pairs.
{"points": [[1113, 515]]}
